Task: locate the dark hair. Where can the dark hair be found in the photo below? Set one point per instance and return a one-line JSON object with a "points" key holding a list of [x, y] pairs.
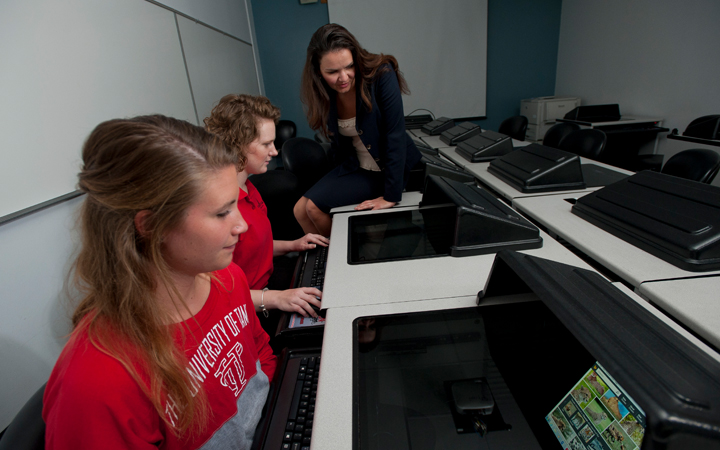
{"points": [[314, 91], [153, 163], [235, 121]]}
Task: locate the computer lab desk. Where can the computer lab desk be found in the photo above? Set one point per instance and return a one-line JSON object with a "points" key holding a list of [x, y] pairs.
{"points": [[414, 279], [408, 200], [630, 263], [692, 301], [333, 423], [506, 191]]}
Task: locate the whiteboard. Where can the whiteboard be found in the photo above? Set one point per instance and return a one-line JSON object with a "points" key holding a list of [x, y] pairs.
{"points": [[217, 65], [441, 47], [67, 66], [228, 16]]}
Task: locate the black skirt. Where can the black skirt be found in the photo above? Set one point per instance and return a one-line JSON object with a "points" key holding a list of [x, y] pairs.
{"points": [[334, 190]]}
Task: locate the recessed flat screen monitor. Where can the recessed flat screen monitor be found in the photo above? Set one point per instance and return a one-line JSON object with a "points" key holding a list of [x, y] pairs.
{"points": [[597, 414], [400, 235], [412, 369]]}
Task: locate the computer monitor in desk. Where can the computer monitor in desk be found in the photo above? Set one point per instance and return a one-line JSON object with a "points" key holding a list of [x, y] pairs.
{"points": [[552, 353], [537, 168], [455, 219], [675, 219], [486, 146]]}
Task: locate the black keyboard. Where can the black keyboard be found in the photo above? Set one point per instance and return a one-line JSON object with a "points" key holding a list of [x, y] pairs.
{"points": [[310, 271], [317, 278], [298, 430]]}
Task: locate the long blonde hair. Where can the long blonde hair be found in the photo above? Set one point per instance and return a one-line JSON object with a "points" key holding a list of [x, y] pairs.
{"points": [[150, 163]]}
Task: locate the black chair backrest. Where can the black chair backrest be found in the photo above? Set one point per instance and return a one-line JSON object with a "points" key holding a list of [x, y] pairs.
{"points": [[515, 127], [280, 191], [306, 159], [27, 429], [284, 130], [695, 164], [588, 143], [557, 132]]}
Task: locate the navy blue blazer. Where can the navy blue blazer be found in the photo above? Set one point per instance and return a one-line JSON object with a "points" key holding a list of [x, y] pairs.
{"points": [[381, 130]]}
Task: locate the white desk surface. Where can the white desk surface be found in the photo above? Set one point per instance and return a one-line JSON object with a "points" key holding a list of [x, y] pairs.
{"points": [[694, 302], [415, 279], [480, 171], [630, 263], [409, 199], [624, 120], [332, 428]]}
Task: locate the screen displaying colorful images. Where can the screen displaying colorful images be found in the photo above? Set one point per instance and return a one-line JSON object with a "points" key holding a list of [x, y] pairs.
{"points": [[597, 414]]}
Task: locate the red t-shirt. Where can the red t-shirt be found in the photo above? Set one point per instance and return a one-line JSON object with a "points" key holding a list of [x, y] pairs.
{"points": [[254, 250], [92, 402]]}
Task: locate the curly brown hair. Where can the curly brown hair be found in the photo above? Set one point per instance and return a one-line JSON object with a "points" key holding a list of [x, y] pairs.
{"points": [[235, 119]]}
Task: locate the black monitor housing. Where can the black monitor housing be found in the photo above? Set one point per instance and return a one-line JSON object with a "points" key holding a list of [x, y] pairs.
{"points": [[483, 224], [537, 168], [486, 146], [675, 219], [459, 133]]}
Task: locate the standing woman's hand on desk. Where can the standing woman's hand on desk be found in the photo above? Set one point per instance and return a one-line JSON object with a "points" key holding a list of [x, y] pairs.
{"points": [[378, 203], [291, 300]]}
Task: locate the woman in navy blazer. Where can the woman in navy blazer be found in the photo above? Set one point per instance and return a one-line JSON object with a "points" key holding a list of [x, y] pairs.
{"points": [[354, 98]]}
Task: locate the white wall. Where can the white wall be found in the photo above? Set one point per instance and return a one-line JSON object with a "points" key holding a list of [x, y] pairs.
{"points": [[655, 58], [73, 64], [35, 258]]}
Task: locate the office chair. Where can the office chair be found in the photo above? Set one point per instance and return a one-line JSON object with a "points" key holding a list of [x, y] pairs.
{"points": [[284, 130], [280, 190], [27, 429], [695, 164], [306, 159], [588, 143], [557, 132], [515, 127]]}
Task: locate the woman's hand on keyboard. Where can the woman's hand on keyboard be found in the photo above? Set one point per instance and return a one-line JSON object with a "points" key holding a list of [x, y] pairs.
{"points": [[294, 300], [309, 241]]}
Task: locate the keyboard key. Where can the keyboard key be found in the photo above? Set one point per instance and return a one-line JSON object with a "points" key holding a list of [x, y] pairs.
{"points": [[286, 446], [302, 412], [308, 432], [297, 436], [290, 425], [296, 446], [287, 437], [300, 419], [306, 441], [299, 428]]}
